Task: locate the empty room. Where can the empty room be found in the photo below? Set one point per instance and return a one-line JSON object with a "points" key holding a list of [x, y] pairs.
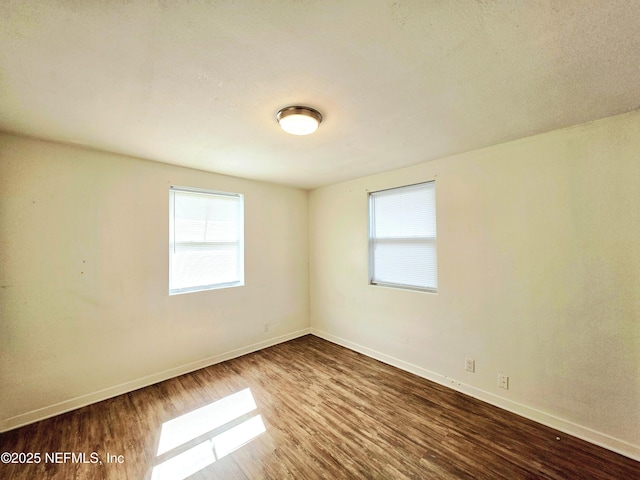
{"points": [[319, 239]]}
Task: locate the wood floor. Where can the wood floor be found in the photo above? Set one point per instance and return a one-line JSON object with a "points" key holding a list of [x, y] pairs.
{"points": [[327, 412]]}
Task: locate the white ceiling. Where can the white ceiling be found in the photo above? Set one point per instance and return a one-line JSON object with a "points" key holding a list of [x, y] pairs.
{"points": [[198, 83]]}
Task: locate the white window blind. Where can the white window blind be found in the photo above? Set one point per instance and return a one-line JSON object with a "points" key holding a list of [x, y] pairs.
{"points": [[402, 237], [205, 240]]}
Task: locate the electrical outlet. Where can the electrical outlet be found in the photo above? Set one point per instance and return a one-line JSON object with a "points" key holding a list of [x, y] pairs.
{"points": [[470, 365], [503, 381], [266, 328]]}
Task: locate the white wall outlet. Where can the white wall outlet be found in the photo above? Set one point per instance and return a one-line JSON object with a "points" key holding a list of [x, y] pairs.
{"points": [[470, 365], [266, 328], [503, 381]]}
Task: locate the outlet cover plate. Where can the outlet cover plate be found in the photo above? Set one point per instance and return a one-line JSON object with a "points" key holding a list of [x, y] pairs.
{"points": [[470, 365]]}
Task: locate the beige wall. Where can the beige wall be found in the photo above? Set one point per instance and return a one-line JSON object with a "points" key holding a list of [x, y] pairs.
{"points": [[85, 312], [539, 277], [539, 267]]}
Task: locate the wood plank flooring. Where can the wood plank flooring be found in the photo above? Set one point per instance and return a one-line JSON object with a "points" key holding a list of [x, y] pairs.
{"points": [[327, 412]]}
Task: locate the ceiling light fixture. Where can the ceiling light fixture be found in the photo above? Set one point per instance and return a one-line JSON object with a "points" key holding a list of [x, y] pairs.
{"points": [[299, 120]]}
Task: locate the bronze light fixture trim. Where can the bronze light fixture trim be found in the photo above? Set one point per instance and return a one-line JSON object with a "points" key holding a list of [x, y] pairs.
{"points": [[299, 120]]}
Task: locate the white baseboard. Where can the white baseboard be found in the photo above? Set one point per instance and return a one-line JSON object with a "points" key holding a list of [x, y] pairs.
{"points": [[565, 426], [104, 394], [584, 433]]}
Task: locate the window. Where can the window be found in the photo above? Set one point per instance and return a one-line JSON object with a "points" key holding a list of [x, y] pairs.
{"points": [[402, 237], [206, 233]]}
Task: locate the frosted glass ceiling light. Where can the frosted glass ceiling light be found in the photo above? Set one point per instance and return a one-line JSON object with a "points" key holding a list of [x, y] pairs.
{"points": [[299, 120]]}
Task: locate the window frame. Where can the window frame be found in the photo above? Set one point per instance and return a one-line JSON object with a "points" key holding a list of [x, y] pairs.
{"points": [[372, 241], [240, 239]]}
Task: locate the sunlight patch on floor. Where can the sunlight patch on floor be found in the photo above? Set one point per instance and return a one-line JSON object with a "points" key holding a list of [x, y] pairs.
{"points": [[185, 428]]}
